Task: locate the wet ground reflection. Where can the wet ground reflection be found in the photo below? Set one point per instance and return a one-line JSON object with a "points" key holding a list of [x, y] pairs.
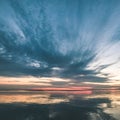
{"points": [[60, 105]]}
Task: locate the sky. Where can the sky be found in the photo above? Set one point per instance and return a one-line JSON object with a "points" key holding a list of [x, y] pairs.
{"points": [[59, 43]]}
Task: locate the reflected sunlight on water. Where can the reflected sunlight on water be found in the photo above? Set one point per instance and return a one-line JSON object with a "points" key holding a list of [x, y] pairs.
{"points": [[39, 98]]}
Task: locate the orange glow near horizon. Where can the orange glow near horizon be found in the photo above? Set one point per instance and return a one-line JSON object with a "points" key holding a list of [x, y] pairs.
{"points": [[30, 80], [52, 83], [62, 89]]}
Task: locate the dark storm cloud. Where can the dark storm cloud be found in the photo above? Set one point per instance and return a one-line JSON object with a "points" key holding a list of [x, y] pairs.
{"points": [[53, 38]]}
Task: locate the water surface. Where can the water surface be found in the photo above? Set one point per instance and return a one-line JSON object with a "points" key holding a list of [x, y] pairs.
{"points": [[60, 105]]}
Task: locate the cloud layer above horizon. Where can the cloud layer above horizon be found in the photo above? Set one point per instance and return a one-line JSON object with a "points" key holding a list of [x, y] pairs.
{"points": [[68, 39]]}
